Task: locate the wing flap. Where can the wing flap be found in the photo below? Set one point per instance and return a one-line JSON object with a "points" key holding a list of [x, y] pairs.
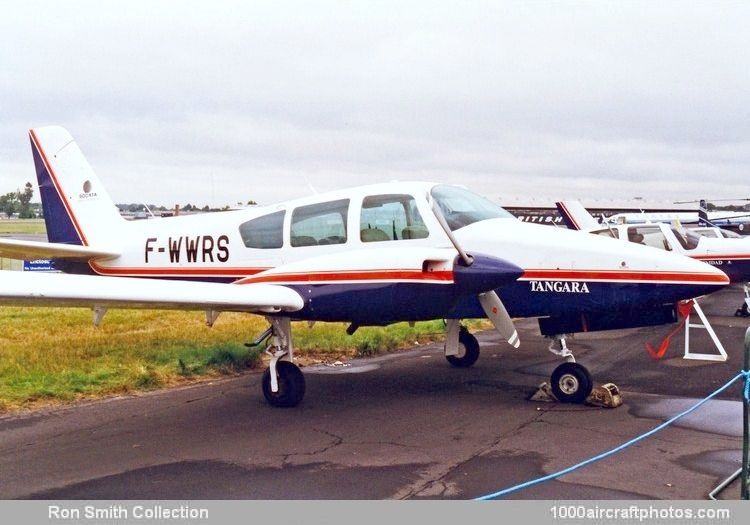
{"points": [[19, 288], [29, 250]]}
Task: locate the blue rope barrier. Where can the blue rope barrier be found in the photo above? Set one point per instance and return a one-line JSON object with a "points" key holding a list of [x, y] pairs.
{"points": [[619, 448]]}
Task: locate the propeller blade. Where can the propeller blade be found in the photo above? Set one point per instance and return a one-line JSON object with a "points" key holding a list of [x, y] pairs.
{"points": [[498, 316]]}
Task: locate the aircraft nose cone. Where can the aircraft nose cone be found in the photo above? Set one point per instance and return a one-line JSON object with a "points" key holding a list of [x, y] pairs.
{"points": [[484, 274], [684, 278]]}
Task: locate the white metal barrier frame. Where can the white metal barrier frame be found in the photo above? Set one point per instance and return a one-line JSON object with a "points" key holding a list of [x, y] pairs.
{"points": [[706, 325]]}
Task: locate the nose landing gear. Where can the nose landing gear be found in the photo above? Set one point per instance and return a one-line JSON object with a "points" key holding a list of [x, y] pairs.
{"points": [[570, 382]]}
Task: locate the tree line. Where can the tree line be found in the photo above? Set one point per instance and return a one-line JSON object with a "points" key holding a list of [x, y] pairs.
{"points": [[18, 202]]}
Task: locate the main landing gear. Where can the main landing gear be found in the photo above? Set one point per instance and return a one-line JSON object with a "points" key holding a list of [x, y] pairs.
{"points": [[283, 381], [468, 350], [743, 311], [570, 382]]}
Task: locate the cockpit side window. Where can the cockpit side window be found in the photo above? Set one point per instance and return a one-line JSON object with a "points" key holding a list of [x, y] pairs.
{"points": [[391, 218], [689, 240], [462, 207], [648, 236], [264, 232], [706, 232], [319, 224]]}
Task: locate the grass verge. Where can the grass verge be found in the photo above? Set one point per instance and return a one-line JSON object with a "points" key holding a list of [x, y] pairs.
{"points": [[22, 226], [55, 355]]}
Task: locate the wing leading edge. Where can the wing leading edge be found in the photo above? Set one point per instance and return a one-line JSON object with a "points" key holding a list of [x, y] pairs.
{"points": [[32, 289]]}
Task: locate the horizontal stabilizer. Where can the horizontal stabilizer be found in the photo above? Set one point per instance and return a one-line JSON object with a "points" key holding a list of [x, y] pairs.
{"points": [[30, 250], [576, 217], [36, 289]]}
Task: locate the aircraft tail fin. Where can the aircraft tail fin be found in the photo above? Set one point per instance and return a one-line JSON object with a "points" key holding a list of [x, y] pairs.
{"points": [[77, 208], [703, 214], [575, 215]]}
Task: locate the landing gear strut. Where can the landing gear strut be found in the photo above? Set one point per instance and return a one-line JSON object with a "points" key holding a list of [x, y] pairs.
{"points": [[570, 382], [743, 311], [461, 348], [283, 381], [468, 350]]}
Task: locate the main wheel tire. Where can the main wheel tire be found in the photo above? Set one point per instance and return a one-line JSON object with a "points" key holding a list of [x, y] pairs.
{"points": [[571, 383], [291, 385], [468, 351]]}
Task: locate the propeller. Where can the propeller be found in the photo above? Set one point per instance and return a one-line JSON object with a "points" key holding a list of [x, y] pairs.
{"points": [[489, 300]]}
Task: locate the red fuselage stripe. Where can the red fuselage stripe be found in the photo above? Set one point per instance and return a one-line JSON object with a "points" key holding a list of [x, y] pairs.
{"points": [[235, 272], [720, 257], [624, 275], [250, 275], [358, 275]]}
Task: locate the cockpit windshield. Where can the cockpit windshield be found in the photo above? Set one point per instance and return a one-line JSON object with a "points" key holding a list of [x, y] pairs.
{"points": [[462, 207]]}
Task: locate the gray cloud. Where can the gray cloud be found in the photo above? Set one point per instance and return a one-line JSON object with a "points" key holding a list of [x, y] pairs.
{"points": [[177, 102]]}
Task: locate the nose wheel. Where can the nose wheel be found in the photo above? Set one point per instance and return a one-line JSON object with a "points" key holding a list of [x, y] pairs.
{"points": [[571, 383]]}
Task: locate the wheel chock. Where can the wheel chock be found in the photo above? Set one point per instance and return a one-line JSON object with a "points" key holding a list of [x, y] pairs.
{"points": [[544, 394], [604, 396]]}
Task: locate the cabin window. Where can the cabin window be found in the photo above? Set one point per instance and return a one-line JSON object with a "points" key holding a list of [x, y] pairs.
{"points": [[649, 236], [391, 218], [706, 232], [264, 232], [730, 234], [689, 240], [318, 224]]}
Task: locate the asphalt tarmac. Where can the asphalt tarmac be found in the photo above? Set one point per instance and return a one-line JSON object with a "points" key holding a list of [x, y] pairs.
{"points": [[404, 425]]}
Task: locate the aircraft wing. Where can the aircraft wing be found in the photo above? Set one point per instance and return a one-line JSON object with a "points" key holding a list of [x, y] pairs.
{"points": [[29, 250], [54, 289]]}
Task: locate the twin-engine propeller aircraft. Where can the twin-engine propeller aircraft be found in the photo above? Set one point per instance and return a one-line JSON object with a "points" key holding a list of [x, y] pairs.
{"points": [[731, 223], [723, 249], [372, 255]]}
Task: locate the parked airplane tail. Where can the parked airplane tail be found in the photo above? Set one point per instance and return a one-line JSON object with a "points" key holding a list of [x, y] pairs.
{"points": [[575, 215], [703, 214], [77, 208]]}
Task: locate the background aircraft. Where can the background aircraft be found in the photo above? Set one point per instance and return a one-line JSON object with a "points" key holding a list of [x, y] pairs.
{"points": [[371, 255], [734, 222], [725, 250]]}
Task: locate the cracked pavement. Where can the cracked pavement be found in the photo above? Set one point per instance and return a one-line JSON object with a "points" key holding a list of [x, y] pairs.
{"points": [[403, 425]]}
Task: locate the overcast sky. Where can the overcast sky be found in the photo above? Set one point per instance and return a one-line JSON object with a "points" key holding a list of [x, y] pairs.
{"points": [[219, 102]]}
